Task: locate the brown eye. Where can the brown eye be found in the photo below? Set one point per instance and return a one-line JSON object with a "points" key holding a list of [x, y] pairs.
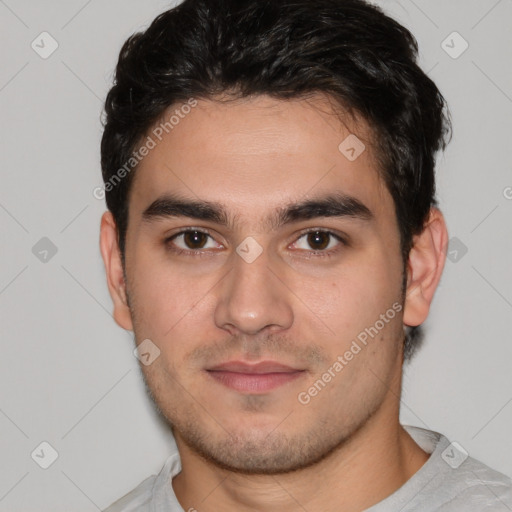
{"points": [[318, 240], [195, 239], [192, 241]]}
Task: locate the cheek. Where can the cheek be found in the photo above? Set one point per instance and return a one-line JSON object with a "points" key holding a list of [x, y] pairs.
{"points": [[364, 349], [172, 307], [354, 295], [163, 296]]}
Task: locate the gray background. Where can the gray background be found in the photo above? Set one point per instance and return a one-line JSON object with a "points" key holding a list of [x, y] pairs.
{"points": [[67, 372]]}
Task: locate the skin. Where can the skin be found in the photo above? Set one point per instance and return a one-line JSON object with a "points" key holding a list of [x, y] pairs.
{"points": [[243, 451]]}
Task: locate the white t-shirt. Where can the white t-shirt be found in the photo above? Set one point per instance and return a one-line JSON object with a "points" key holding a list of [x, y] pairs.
{"points": [[449, 481]]}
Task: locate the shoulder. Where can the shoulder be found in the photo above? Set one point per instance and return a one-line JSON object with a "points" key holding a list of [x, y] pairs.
{"points": [[451, 480], [137, 499], [476, 486], [154, 493]]}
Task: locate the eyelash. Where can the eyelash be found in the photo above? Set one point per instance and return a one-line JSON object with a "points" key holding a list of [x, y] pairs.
{"points": [[204, 253]]}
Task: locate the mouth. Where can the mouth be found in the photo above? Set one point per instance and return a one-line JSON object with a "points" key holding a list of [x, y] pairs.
{"points": [[254, 378]]}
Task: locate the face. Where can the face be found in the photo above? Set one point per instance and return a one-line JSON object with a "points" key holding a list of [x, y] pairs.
{"points": [[252, 238]]}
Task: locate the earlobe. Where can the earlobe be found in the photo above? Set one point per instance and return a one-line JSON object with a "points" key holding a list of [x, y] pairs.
{"points": [[425, 267], [114, 271]]}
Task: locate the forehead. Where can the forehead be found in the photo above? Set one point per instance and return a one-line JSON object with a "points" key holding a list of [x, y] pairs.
{"points": [[255, 154]]}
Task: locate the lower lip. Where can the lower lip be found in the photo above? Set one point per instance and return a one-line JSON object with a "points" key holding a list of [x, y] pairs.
{"points": [[253, 382]]}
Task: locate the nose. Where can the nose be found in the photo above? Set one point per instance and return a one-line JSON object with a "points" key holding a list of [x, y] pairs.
{"points": [[253, 297]]}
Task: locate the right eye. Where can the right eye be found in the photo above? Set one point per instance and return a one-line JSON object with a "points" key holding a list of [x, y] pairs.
{"points": [[191, 241]]}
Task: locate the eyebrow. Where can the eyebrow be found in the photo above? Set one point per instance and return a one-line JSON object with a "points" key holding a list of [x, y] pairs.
{"points": [[331, 205]]}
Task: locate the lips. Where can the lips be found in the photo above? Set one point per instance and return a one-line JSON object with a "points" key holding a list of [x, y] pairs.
{"points": [[258, 368], [254, 378]]}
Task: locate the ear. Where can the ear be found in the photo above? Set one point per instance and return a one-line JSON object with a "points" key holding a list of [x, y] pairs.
{"points": [[424, 268], [114, 271]]}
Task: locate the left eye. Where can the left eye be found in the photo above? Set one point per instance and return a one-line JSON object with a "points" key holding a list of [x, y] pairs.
{"points": [[317, 241]]}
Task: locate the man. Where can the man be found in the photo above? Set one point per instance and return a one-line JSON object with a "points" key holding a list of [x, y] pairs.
{"points": [[274, 242]]}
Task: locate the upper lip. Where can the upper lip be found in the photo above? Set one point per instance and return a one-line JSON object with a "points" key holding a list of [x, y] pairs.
{"points": [[261, 367]]}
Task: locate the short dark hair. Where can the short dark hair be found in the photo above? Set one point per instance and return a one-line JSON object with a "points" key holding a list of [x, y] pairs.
{"points": [[348, 50]]}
